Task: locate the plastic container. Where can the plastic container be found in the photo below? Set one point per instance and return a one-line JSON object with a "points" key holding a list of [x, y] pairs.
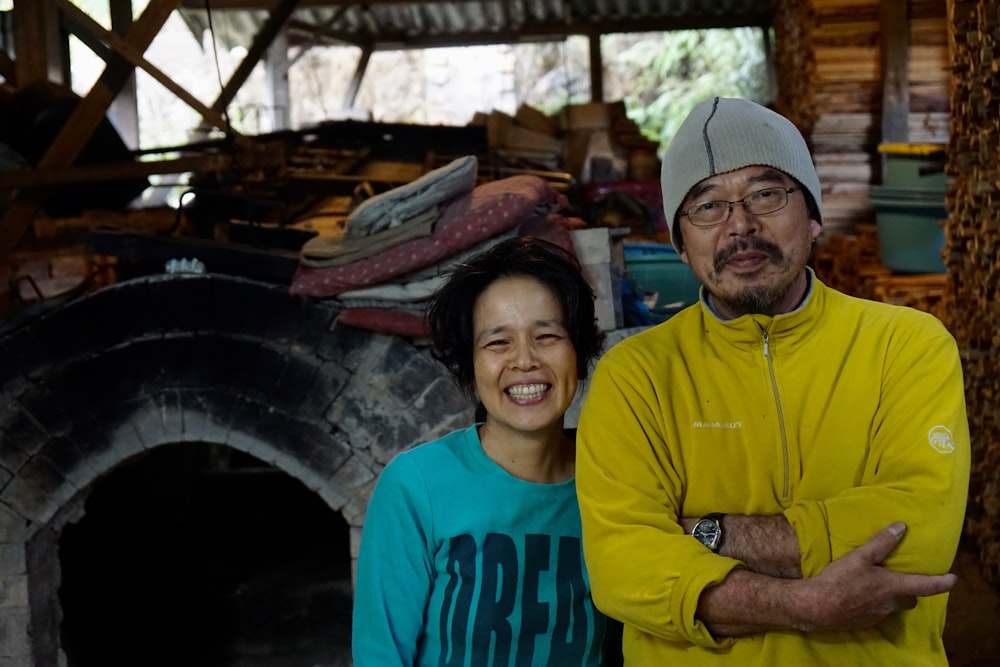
{"points": [[914, 166], [656, 267], [910, 231]]}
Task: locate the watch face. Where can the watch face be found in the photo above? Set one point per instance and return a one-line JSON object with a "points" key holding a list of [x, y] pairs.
{"points": [[708, 532]]}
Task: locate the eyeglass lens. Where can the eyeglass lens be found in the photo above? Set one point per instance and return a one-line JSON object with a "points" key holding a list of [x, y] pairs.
{"points": [[760, 202]]}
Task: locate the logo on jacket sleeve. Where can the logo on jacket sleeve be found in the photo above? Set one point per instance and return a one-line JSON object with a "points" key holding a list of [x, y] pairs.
{"points": [[940, 438]]}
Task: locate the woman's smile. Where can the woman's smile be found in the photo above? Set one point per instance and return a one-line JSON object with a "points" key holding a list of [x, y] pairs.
{"points": [[528, 393]]}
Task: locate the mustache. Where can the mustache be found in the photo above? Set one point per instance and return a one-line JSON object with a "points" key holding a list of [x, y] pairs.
{"points": [[754, 243]]}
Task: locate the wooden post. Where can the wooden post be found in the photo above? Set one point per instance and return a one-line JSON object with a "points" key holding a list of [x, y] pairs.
{"points": [[895, 35], [124, 110], [38, 43], [351, 96], [596, 69], [276, 88]]}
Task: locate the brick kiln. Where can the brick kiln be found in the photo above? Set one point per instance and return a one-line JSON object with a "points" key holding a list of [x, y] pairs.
{"points": [[142, 388]]}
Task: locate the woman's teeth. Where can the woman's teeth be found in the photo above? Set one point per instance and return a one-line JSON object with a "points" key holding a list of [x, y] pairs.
{"points": [[526, 391]]}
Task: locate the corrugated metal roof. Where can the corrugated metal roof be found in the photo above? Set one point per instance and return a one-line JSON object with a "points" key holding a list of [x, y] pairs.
{"points": [[401, 24]]}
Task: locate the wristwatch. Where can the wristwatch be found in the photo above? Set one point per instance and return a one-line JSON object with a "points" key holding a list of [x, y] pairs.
{"points": [[708, 531]]}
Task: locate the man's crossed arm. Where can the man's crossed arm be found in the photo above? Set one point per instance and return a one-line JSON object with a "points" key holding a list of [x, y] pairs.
{"points": [[854, 591]]}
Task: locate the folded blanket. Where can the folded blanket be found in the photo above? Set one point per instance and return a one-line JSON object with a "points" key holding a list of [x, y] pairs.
{"points": [[323, 251], [490, 209], [397, 206], [375, 309], [416, 290], [386, 321], [443, 267]]}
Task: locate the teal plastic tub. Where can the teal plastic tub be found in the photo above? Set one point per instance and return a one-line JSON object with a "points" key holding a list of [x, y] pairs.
{"points": [[656, 267], [910, 228]]}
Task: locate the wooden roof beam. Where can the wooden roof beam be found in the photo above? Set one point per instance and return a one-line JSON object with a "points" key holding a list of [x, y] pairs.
{"points": [[107, 44], [276, 21], [82, 123], [314, 32], [540, 32]]}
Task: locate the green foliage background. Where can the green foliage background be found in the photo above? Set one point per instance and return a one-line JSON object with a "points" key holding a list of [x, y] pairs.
{"points": [[672, 72], [659, 76]]}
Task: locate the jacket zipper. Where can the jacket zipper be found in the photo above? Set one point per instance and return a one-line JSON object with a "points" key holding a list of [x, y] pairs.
{"points": [[781, 415]]}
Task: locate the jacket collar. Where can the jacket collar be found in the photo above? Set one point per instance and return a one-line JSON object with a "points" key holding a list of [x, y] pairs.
{"points": [[749, 329]]}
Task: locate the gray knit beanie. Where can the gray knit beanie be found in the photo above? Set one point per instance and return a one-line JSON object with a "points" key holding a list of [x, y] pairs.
{"points": [[724, 134]]}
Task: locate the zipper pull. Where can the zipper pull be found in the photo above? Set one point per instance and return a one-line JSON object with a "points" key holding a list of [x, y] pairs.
{"points": [[766, 348]]}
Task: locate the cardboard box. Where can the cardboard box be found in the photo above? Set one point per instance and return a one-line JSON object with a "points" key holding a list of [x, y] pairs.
{"points": [[533, 119]]}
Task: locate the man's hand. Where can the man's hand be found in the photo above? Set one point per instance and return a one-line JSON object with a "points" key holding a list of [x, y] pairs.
{"points": [[854, 591]]}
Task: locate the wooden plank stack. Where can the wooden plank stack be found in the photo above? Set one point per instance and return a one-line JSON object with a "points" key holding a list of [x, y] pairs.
{"points": [[972, 240], [828, 67]]}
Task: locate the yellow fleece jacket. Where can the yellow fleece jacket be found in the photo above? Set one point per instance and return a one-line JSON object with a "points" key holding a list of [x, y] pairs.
{"points": [[844, 415]]}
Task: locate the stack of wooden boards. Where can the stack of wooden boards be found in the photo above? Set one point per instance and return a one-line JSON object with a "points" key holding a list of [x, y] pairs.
{"points": [[829, 83]]}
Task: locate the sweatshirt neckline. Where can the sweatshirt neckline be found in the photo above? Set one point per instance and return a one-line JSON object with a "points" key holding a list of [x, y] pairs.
{"points": [[494, 469]]}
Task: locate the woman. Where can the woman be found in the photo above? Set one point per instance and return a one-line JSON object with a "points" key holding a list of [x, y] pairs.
{"points": [[471, 548]]}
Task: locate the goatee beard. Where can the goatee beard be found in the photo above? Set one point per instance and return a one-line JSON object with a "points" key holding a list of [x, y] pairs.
{"points": [[756, 300]]}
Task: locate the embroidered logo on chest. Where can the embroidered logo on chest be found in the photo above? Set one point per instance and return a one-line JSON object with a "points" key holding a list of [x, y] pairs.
{"points": [[722, 425]]}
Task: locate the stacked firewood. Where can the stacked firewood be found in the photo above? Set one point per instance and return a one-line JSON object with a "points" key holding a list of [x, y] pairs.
{"points": [[924, 292], [972, 240], [850, 263], [794, 62]]}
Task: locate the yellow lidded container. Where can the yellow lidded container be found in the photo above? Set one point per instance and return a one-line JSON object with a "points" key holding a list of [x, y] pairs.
{"points": [[914, 166]]}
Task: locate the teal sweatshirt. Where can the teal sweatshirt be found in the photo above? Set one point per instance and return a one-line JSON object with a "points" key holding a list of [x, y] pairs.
{"points": [[462, 564]]}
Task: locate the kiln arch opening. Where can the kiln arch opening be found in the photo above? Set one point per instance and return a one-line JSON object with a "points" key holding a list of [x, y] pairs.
{"points": [[198, 554]]}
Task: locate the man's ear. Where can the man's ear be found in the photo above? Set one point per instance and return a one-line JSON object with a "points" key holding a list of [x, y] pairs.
{"points": [[816, 228]]}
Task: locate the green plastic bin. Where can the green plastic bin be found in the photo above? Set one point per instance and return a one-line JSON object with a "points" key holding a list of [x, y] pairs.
{"points": [[910, 231], [656, 267]]}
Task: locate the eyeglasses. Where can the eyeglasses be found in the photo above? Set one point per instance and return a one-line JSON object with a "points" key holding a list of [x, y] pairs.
{"points": [[761, 202]]}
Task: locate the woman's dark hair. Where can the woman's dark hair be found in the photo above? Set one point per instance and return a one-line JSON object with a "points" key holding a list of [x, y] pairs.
{"points": [[450, 315]]}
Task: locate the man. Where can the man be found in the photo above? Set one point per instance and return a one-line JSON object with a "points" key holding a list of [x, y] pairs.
{"points": [[776, 475]]}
